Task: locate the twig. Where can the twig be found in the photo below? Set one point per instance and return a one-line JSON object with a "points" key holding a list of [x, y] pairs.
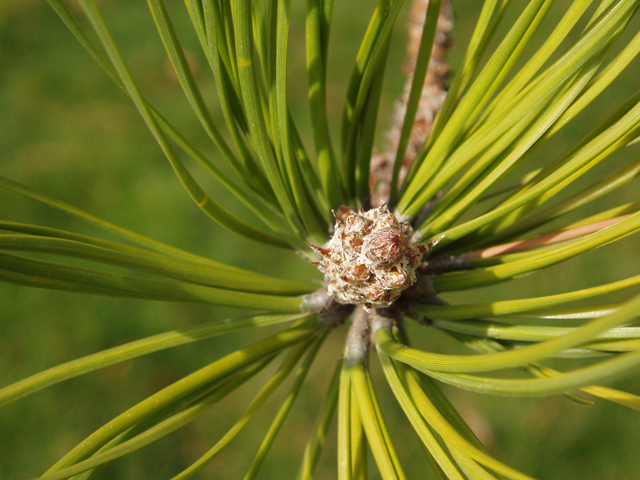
{"points": [[543, 240], [433, 94]]}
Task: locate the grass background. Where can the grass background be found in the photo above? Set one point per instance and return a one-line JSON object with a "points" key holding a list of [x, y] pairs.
{"points": [[68, 131]]}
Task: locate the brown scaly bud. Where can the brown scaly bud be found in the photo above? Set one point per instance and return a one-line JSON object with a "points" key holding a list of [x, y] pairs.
{"points": [[371, 258]]}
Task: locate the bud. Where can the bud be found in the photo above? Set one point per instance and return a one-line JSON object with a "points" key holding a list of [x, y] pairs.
{"points": [[371, 259]]}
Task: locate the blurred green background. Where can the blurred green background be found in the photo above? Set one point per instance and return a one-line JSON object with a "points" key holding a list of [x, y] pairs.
{"points": [[66, 130]]}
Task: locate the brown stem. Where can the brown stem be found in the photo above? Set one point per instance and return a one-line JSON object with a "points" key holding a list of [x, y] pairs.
{"points": [[433, 94], [542, 240]]}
